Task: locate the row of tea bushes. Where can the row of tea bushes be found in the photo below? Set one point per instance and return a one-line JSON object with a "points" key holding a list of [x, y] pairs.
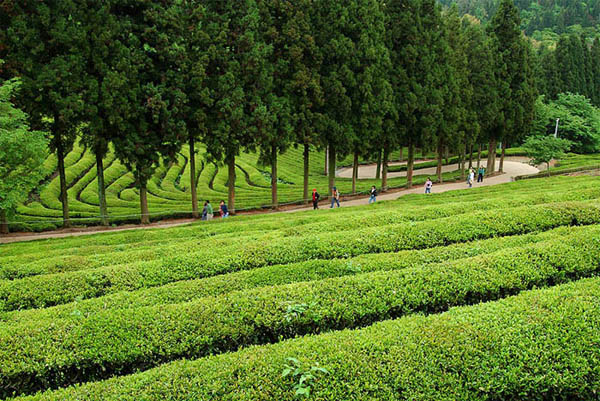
{"points": [[47, 353]]}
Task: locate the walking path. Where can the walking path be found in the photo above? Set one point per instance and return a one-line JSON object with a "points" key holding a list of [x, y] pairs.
{"points": [[512, 167]]}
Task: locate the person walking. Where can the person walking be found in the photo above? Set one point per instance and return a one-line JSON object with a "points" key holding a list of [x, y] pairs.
{"points": [[480, 174], [315, 199], [223, 210], [428, 185], [471, 178], [209, 211], [335, 198], [373, 195], [204, 212]]}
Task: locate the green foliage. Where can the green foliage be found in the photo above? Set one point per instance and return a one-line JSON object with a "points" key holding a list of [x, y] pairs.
{"points": [[305, 377], [22, 152], [579, 121], [543, 149]]}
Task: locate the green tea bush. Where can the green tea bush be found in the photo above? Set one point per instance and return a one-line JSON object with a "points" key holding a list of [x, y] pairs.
{"points": [[48, 353]]}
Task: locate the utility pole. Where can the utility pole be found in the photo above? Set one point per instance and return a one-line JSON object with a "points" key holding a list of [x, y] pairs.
{"points": [[556, 129]]}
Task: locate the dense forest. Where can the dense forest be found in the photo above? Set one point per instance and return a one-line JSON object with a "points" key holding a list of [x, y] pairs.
{"points": [[557, 16]]}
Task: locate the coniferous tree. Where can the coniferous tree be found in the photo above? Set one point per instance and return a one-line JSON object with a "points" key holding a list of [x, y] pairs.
{"points": [[515, 78], [43, 46], [152, 127], [595, 63], [237, 78]]}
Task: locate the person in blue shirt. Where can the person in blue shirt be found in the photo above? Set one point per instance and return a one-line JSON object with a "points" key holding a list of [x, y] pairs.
{"points": [[223, 210]]}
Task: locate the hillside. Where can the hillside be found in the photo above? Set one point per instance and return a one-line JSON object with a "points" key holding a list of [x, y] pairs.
{"points": [[497, 285], [169, 189], [554, 15]]}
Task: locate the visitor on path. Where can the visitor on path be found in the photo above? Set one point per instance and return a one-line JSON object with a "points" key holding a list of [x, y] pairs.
{"points": [[209, 210], [204, 212], [335, 198], [428, 185], [223, 210], [471, 178], [480, 174], [373, 195], [315, 199]]}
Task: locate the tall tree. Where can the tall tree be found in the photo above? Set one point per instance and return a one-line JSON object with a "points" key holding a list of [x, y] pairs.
{"points": [[43, 45], [595, 63], [350, 35], [237, 76], [102, 51], [152, 127], [22, 153], [484, 101], [185, 22], [515, 78]]}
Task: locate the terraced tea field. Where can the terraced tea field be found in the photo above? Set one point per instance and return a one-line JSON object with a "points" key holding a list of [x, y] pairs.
{"points": [[169, 190], [491, 293]]}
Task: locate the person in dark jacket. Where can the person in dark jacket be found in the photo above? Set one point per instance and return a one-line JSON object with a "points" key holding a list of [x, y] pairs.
{"points": [[223, 210], [315, 199], [373, 194]]}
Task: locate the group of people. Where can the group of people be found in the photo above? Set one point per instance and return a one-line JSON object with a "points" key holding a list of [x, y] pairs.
{"points": [[335, 197], [470, 179], [208, 212], [480, 175]]}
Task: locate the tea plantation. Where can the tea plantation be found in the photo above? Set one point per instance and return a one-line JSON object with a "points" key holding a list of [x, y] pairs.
{"points": [[491, 293], [169, 189]]}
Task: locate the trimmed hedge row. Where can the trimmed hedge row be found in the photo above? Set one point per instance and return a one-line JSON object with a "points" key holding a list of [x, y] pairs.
{"points": [[55, 289], [560, 184], [362, 219], [186, 291], [532, 346], [49, 353], [108, 242]]}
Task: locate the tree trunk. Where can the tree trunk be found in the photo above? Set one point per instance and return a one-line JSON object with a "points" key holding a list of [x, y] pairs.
{"points": [[440, 156], [461, 163], [331, 168], [447, 154], [354, 172], [384, 168], [306, 151], [193, 188], [274, 202], [144, 203], [378, 172], [401, 151], [491, 161], [3, 222], [479, 156], [326, 160], [231, 184], [471, 156], [63, 184], [501, 169], [410, 165], [101, 190]]}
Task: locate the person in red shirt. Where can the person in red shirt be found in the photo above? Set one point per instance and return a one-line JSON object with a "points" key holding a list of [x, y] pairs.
{"points": [[315, 199]]}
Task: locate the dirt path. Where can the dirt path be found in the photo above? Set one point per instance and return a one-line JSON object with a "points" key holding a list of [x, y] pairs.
{"points": [[512, 168]]}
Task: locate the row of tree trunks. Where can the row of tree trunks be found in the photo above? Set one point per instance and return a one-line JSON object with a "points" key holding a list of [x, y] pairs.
{"points": [[382, 172], [378, 172]]}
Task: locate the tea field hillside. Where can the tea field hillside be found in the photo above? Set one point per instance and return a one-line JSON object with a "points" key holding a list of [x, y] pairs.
{"points": [[169, 189], [490, 293]]}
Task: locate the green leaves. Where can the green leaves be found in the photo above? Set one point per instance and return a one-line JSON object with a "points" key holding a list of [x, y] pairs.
{"points": [[305, 378]]}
